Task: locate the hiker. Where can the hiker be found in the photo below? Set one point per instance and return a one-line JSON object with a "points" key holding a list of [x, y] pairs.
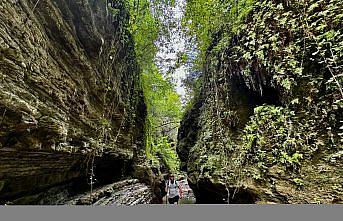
{"points": [[173, 189]]}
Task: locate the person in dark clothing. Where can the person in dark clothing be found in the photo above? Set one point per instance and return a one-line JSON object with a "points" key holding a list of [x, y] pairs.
{"points": [[159, 189]]}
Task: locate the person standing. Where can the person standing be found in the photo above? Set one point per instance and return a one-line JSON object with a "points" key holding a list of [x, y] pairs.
{"points": [[174, 190]]}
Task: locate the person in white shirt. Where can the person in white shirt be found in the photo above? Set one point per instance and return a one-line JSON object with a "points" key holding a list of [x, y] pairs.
{"points": [[174, 190]]}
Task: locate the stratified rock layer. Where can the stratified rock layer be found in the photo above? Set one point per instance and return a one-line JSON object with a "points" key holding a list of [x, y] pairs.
{"points": [[69, 91], [127, 192]]}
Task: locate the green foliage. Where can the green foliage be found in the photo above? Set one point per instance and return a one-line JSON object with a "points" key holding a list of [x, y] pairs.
{"points": [[274, 136], [163, 151], [293, 35], [163, 103], [160, 96], [164, 112], [204, 19], [145, 28], [298, 182]]}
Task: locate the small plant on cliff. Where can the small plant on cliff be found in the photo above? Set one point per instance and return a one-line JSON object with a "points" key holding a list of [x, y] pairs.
{"points": [[298, 182]]}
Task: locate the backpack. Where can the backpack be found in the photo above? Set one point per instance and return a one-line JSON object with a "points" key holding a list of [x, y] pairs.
{"points": [[163, 188]]}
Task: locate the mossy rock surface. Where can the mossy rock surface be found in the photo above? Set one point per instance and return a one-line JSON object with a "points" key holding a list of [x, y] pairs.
{"points": [[268, 118]]}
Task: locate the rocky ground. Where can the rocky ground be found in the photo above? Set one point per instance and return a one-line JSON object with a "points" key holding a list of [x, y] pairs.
{"points": [[127, 192]]}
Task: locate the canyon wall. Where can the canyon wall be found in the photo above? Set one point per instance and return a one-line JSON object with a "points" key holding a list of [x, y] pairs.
{"points": [[266, 126], [70, 96]]}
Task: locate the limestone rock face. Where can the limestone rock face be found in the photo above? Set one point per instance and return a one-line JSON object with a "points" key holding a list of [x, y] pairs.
{"points": [[69, 90], [266, 126]]}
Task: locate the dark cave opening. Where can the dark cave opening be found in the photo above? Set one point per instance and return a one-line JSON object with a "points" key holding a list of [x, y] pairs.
{"points": [[53, 187], [242, 196], [107, 170], [208, 193]]}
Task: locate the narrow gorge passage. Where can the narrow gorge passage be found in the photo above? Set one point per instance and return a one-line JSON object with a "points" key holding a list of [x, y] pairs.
{"points": [[102, 100]]}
